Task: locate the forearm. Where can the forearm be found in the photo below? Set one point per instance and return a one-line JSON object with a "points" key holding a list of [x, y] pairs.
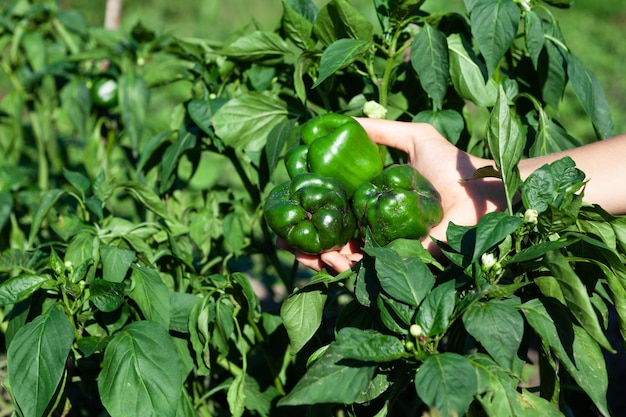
{"points": [[603, 163]]}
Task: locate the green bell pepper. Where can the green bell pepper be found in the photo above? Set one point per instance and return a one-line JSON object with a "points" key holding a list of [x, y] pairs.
{"points": [[335, 146], [311, 212], [398, 203]]}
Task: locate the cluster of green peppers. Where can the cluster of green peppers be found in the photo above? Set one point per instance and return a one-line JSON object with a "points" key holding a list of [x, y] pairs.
{"points": [[339, 188]]}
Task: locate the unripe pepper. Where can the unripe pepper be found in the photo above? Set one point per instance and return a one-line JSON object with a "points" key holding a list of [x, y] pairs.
{"points": [[336, 146], [311, 212], [397, 203]]}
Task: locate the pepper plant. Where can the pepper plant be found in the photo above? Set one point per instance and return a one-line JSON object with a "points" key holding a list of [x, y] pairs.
{"points": [[138, 275]]}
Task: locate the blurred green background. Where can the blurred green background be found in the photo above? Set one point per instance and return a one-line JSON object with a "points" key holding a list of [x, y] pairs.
{"points": [[594, 31]]}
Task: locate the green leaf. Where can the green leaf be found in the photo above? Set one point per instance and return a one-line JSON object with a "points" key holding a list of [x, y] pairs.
{"points": [[534, 405], [330, 379], [19, 288], [338, 55], [304, 63], [591, 373], [534, 36], [448, 122], [494, 26], [234, 234], [429, 57], [36, 360], [447, 382], [78, 180], [406, 280], [576, 296], [151, 295], [141, 372], [467, 76], [591, 95], [339, 19], [257, 46], [276, 141], [115, 262], [436, 309], [553, 76], [134, 98], [369, 345], [6, 207], [246, 120], [297, 27], [185, 141], [107, 296], [499, 328], [146, 196], [552, 185], [551, 137], [302, 315], [236, 395], [498, 386], [506, 143], [181, 306], [538, 250], [76, 102], [491, 229], [48, 199]]}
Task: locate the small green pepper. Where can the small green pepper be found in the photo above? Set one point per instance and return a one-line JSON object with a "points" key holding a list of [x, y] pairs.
{"points": [[335, 146], [398, 203], [311, 212], [104, 92]]}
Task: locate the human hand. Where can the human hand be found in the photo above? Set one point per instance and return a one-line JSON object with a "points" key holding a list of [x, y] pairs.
{"points": [[445, 166]]}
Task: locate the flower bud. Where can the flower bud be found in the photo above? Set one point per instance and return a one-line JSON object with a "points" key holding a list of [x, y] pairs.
{"points": [[488, 260], [530, 216], [374, 110], [416, 330]]}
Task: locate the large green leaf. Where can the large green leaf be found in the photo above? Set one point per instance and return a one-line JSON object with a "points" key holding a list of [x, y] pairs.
{"points": [[506, 142], [436, 309], [115, 262], [134, 97], [295, 24], [257, 46], [20, 287], [141, 372], [406, 280], [448, 122], [330, 379], [592, 97], [185, 141], [246, 120], [574, 347], [498, 327], [302, 316], [467, 76], [576, 296], [533, 35], [36, 360], [498, 386], [369, 345], [429, 57], [338, 55], [553, 77], [494, 26], [339, 19], [447, 382], [48, 200], [151, 295], [491, 229]]}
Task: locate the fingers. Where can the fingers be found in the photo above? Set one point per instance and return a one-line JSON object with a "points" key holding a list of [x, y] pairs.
{"points": [[338, 261], [389, 133]]}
